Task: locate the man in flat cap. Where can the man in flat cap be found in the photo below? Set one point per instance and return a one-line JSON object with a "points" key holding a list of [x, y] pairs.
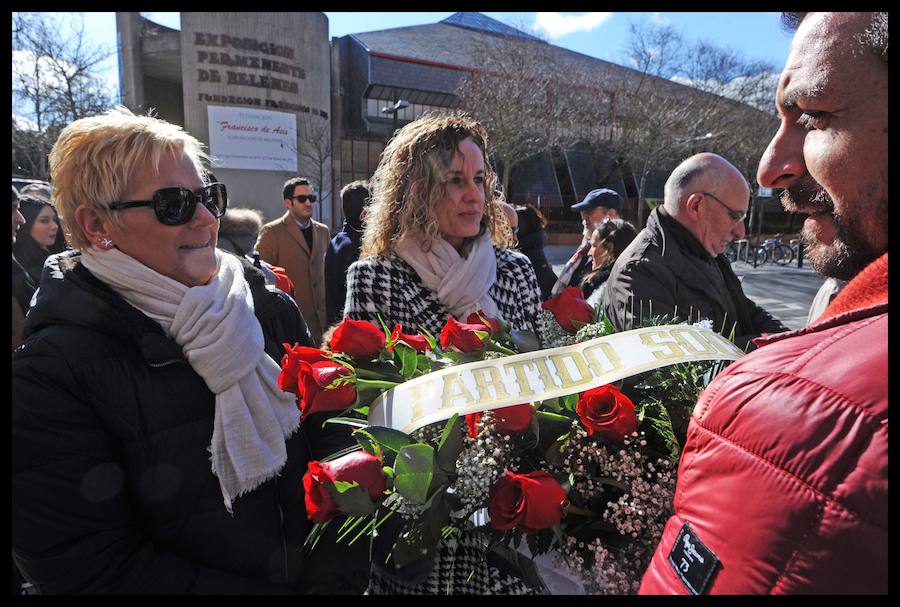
{"points": [[597, 206], [675, 265]]}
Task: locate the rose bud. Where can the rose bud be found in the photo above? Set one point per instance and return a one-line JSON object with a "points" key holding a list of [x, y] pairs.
{"points": [[515, 418], [314, 394], [462, 336], [569, 306], [360, 467], [494, 325], [527, 502], [607, 411], [290, 365], [357, 338], [414, 340]]}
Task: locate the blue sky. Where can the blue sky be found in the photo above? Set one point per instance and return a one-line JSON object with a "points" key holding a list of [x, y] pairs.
{"points": [[755, 35]]}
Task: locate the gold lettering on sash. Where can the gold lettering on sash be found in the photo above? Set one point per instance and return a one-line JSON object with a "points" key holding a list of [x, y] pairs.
{"points": [[681, 334], [597, 364], [419, 395], [544, 373], [487, 377], [674, 350], [721, 343], [455, 389], [518, 369], [562, 370]]}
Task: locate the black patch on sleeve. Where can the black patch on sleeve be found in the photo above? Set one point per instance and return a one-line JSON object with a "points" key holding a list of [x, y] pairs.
{"points": [[692, 561]]}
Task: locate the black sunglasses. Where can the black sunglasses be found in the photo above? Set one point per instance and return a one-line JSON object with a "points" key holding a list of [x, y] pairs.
{"points": [[176, 206], [304, 197]]}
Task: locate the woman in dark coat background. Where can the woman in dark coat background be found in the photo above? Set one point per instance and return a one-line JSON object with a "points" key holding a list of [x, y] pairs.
{"points": [[608, 240], [35, 238], [532, 238]]}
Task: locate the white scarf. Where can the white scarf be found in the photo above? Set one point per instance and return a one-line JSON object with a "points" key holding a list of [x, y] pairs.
{"points": [[223, 342], [460, 283]]}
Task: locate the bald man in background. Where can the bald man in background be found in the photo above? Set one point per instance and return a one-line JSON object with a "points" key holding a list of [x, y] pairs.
{"points": [[675, 265]]}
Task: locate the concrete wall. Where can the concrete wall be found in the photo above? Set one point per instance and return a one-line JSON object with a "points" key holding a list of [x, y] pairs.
{"points": [[300, 83]]}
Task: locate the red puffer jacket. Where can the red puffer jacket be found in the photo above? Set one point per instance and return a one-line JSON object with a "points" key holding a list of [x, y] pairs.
{"points": [[783, 486]]}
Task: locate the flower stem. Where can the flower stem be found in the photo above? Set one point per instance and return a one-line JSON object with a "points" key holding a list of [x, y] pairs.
{"points": [[494, 346], [364, 384]]}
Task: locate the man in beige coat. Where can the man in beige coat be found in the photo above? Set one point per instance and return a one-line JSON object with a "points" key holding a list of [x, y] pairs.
{"points": [[297, 243]]}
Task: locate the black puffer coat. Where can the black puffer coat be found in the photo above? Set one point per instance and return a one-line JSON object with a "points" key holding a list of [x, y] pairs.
{"points": [[112, 488]]}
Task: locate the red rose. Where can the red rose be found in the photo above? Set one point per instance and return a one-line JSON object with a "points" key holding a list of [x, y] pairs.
{"points": [[528, 502], [515, 418], [357, 338], [462, 336], [414, 340], [358, 466], [607, 411], [568, 306], [290, 365], [494, 325], [316, 396]]}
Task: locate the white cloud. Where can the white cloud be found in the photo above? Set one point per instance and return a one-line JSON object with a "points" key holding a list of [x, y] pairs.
{"points": [[660, 19], [557, 25]]}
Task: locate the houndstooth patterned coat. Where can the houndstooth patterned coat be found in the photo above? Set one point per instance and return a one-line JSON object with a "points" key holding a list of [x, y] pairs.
{"points": [[389, 287]]}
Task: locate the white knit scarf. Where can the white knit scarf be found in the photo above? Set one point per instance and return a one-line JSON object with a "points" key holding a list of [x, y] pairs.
{"points": [[223, 342], [460, 283]]}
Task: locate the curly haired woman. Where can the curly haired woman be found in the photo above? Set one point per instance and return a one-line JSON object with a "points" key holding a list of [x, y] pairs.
{"points": [[434, 245]]}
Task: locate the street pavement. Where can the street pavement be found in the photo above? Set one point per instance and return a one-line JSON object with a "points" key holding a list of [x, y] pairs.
{"points": [[785, 292]]}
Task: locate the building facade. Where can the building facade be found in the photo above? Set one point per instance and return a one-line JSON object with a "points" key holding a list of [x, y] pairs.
{"points": [[330, 106]]}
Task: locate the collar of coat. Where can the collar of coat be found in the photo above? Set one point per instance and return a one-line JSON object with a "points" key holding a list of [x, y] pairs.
{"points": [[868, 288], [864, 296]]}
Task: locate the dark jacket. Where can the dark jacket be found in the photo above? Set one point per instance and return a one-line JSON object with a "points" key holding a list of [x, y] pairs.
{"points": [[666, 267], [111, 480], [532, 246], [595, 278], [22, 290], [30, 255], [342, 251], [784, 475]]}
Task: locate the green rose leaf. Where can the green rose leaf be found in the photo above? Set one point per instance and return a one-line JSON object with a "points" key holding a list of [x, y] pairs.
{"points": [[569, 402], [351, 498], [414, 471], [368, 443], [407, 358], [390, 440], [451, 444]]}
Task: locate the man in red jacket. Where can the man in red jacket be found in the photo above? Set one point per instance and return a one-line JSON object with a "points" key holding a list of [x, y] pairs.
{"points": [[783, 485]]}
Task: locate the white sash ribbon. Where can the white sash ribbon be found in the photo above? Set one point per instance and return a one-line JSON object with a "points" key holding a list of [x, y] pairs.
{"points": [[544, 374]]}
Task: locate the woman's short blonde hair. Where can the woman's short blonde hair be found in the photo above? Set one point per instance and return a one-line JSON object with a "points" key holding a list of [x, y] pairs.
{"points": [[410, 182], [94, 160]]}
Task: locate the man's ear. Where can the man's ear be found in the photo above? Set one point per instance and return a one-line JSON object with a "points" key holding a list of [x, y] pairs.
{"points": [[287, 203], [692, 206], [92, 224]]}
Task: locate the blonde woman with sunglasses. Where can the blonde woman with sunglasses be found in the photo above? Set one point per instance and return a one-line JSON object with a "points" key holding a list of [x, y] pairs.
{"points": [[153, 449]]}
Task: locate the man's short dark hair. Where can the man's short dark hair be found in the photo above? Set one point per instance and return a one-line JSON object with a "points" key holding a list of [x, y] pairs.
{"points": [[354, 198], [873, 40], [290, 184]]}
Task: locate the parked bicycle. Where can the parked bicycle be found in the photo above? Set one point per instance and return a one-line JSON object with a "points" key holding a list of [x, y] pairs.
{"points": [[743, 250], [775, 250]]}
